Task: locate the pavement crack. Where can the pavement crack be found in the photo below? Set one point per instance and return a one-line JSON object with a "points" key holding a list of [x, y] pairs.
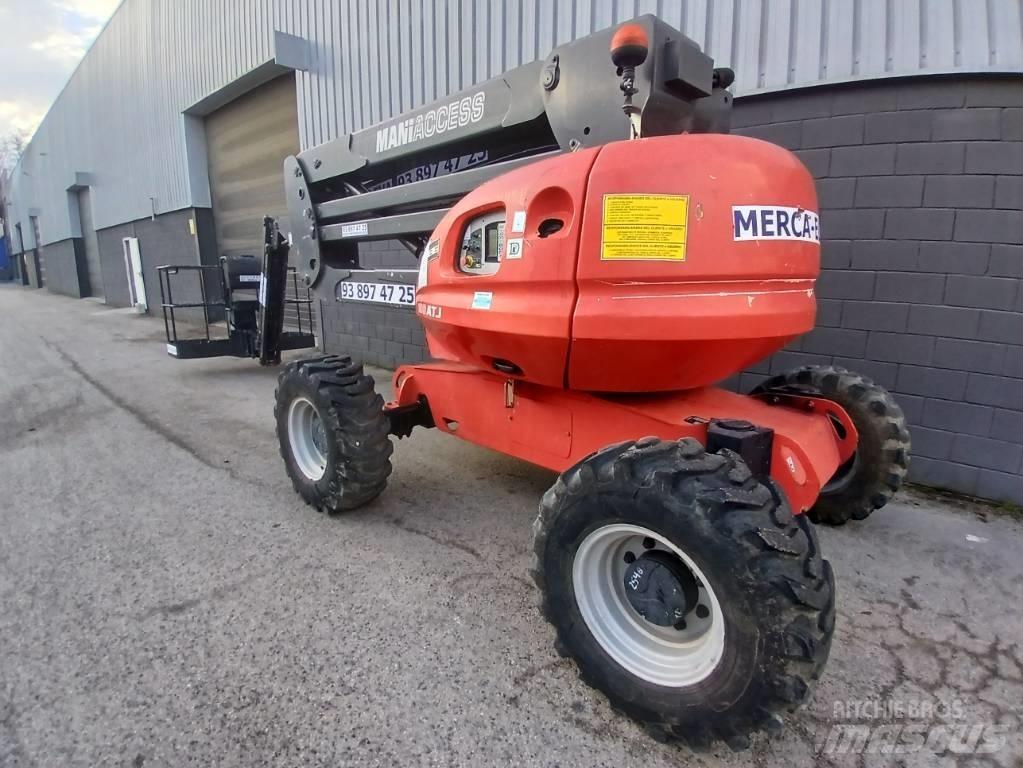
{"points": [[181, 606], [909, 600], [143, 418], [19, 426], [169, 609], [501, 576], [149, 422], [529, 673], [446, 541], [10, 735]]}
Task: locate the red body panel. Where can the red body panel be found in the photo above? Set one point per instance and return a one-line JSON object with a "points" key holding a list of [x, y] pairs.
{"points": [[643, 326], [568, 317], [555, 428], [530, 320]]}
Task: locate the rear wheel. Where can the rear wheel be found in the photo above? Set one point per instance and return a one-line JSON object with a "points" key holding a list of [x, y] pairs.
{"points": [[333, 433], [684, 589], [869, 479]]}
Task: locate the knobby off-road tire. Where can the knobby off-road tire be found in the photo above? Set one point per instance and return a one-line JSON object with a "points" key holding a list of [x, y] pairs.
{"points": [[876, 472], [773, 591], [333, 433]]}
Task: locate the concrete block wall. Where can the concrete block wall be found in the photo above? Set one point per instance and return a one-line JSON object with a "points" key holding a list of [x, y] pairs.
{"points": [[378, 334], [165, 239], [66, 269], [920, 184]]}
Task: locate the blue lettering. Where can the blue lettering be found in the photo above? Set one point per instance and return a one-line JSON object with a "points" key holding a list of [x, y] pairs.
{"points": [[744, 224], [764, 222], [783, 225]]}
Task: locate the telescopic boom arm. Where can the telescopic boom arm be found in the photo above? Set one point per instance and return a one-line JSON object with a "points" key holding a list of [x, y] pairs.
{"points": [[397, 179]]}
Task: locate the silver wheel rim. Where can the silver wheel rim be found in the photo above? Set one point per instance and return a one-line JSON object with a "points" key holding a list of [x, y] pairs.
{"points": [[661, 655], [307, 438]]}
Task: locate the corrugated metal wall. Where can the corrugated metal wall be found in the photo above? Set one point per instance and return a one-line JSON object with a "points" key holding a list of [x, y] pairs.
{"points": [[388, 57], [120, 117]]}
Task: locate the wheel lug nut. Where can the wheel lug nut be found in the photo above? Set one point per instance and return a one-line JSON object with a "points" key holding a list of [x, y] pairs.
{"points": [[702, 611], [649, 543], [680, 624], [629, 557]]}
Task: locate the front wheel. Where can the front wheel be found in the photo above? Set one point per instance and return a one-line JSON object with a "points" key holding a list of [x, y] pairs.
{"points": [[333, 433], [685, 589]]}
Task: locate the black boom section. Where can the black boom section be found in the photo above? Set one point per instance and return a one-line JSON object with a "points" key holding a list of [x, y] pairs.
{"points": [[396, 179], [272, 293]]}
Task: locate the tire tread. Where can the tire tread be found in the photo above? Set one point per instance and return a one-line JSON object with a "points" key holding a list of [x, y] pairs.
{"points": [[739, 506], [357, 425], [877, 416]]}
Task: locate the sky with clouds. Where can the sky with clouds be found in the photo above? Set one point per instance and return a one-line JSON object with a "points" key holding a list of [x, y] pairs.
{"points": [[41, 42]]}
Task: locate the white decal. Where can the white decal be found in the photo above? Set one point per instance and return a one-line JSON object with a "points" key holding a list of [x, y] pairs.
{"points": [[775, 222], [432, 251], [519, 222], [430, 310], [250, 278], [357, 229], [634, 579], [446, 117], [482, 300], [431, 170], [172, 350], [379, 293], [424, 269], [514, 248]]}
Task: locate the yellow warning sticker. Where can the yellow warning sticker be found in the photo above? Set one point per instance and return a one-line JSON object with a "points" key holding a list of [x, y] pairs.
{"points": [[646, 227]]}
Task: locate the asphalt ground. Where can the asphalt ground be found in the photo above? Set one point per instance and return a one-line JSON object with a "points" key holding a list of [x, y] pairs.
{"points": [[167, 600]]}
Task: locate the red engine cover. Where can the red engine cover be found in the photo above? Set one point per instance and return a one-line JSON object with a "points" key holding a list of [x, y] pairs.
{"points": [[679, 261]]}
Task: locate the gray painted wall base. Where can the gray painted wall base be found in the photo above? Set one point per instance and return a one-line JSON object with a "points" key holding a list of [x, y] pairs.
{"points": [[66, 270], [921, 196], [165, 239]]}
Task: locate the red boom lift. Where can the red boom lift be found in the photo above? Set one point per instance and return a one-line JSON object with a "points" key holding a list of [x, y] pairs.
{"points": [[587, 273]]}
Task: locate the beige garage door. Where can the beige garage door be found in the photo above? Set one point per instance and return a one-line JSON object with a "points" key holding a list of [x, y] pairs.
{"points": [[247, 142]]}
